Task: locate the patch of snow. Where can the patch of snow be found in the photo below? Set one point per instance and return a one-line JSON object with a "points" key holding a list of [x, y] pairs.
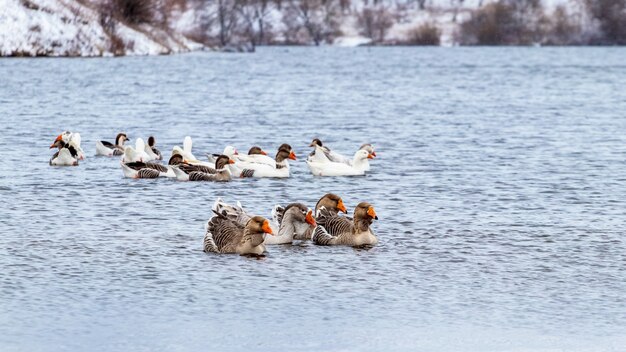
{"points": [[351, 41]]}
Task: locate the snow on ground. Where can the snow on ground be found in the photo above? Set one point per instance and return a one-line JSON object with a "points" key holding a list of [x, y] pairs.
{"points": [[69, 28]]}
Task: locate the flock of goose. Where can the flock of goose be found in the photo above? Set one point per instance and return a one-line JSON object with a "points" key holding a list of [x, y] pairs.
{"points": [[231, 229]]}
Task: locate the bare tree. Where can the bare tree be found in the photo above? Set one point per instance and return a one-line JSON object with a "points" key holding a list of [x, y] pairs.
{"points": [[374, 22], [318, 17], [254, 13]]}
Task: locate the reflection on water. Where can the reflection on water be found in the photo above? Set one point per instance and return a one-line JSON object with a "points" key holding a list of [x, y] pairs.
{"points": [[499, 187]]}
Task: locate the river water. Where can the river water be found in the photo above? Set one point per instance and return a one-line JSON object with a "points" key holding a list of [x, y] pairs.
{"points": [[500, 187]]}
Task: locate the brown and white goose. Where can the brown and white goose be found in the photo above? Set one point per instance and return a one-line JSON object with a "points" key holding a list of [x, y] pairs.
{"points": [[337, 230], [108, 149], [67, 155], [192, 172], [151, 149], [280, 169], [139, 169], [223, 235]]}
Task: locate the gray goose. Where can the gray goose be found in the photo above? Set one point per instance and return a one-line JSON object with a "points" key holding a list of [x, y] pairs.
{"points": [[196, 172], [336, 230], [140, 169], [295, 221], [224, 235], [108, 149], [331, 202]]}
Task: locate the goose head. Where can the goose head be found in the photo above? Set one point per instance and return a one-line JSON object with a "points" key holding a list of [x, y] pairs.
{"points": [[285, 152], [151, 141], [222, 161], [315, 143], [175, 159], [364, 211], [258, 225], [299, 216], [331, 202], [256, 151], [120, 139], [369, 148]]}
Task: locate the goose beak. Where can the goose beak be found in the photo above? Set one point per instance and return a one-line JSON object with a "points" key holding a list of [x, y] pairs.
{"points": [[372, 213], [342, 207], [231, 161], [370, 156], [292, 156], [266, 227], [309, 219], [373, 154], [263, 152], [236, 152], [312, 144]]}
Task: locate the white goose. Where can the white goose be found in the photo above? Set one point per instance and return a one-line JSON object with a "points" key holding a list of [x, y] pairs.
{"points": [[295, 221], [359, 165], [280, 169], [137, 154], [71, 139], [322, 153], [109, 149], [186, 150], [65, 156]]}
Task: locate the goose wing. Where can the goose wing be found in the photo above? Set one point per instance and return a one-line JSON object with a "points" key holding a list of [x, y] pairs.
{"points": [[222, 235]]}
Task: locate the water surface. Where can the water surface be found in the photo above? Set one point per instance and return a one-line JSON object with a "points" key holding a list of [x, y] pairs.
{"points": [[499, 185]]}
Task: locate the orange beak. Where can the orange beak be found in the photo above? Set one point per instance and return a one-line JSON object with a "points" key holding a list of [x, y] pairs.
{"points": [[374, 154], [342, 207], [266, 227], [309, 219], [59, 137], [370, 156], [372, 213], [263, 152], [231, 161], [292, 156]]}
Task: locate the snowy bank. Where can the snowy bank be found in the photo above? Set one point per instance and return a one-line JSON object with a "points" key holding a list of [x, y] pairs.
{"points": [[73, 28]]}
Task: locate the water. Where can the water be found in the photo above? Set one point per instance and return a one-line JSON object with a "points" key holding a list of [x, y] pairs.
{"points": [[499, 186]]}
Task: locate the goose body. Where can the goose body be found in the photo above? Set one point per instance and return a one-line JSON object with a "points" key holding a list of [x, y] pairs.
{"points": [[295, 221], [223, 235], [70, 139], [146, 170], [280, 169], [65, 156], [185, 171], [358, 167], [136, 154], [339, 230], [109, 149]]}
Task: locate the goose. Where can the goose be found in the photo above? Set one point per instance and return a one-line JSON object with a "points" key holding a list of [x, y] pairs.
{"points": [[338, 230], [191, 172], [151, 150], [185, 151], [280, 169], [73, 139], [322, 153], [256, 155], [137, 154], [358, 167], [138, 169], [225, 236], [65, 156], [295, 221], [108, 149]]}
